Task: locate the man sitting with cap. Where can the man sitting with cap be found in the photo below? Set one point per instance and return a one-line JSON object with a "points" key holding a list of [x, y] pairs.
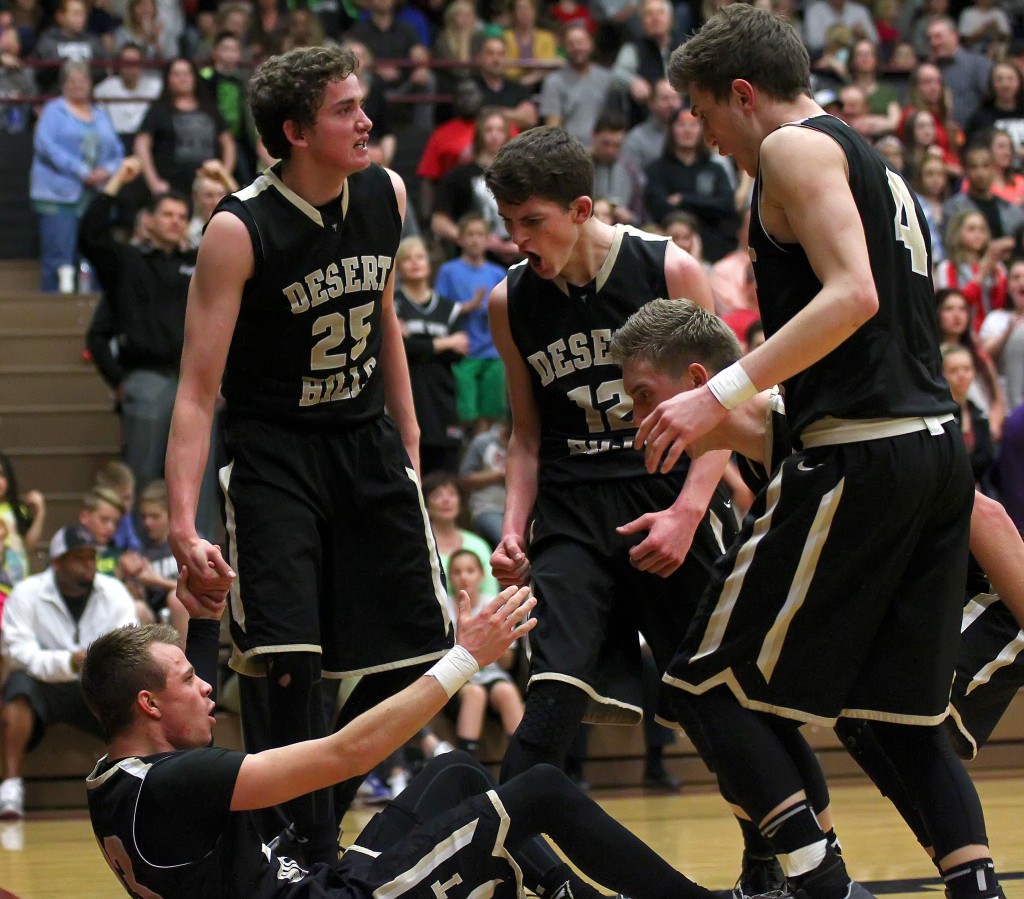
{"points": [[49, 620]]}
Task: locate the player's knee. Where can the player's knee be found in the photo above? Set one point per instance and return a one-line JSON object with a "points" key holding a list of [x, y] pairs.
{"points": [[293, 670]]}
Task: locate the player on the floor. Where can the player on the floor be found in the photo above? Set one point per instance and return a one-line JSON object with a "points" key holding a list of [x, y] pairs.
{"points": [[169, 811], [668, 348], [609, 548]]}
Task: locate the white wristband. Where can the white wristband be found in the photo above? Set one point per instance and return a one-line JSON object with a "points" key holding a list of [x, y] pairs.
{"points": [[731, 386], [453, 669]]}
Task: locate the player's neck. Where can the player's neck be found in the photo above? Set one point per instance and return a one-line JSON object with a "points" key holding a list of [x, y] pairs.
{"points": [[589, 254], [781, 112], [314, 184], [137, 744]]}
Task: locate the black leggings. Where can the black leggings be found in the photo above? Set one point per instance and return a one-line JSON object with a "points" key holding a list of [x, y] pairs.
{"points": [[543, 800]]}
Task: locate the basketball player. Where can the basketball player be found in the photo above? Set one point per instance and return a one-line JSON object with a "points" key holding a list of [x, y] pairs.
{"points": [[291, 314], [610, 549], [669, 347], [170, 812], [846, 599]]}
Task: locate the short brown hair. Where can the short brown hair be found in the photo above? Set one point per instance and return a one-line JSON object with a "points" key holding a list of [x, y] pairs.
{"points": [[291, 86], [118, 666], [745, 42], [91, 501], [672, 334], [547, 163]]}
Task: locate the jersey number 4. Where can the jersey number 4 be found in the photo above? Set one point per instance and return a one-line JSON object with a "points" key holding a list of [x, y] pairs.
{"points": [[908, 228]]}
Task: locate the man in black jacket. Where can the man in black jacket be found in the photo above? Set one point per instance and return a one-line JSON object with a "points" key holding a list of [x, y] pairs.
{"points": [[138, 332]]}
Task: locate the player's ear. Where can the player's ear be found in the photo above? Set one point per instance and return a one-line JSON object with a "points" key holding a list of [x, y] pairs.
{"points": [[147, 704], [698, 374], [582, 208], [743, 91], [293, 131]]}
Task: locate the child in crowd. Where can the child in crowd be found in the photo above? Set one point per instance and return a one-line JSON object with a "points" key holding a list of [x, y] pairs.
{"points": [[159, 575], [433, 342], [444, 507], [480, 377], [23, 518], [101, 512], [492, 686], [119, 478]]}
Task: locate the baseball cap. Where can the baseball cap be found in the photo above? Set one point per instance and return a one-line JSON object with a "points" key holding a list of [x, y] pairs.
{"points": [[71, 537]]}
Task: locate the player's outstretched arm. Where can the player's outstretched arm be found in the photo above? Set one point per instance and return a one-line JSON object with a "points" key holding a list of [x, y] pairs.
{"points": [[997, 545], [277, 775], [509, 563], [224, 264]]}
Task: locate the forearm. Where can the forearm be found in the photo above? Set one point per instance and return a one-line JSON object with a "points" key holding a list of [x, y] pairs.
{"points": [[188, 447], [521, 469], [317, 764], [202, 646], [397, 387], [701, 481]]}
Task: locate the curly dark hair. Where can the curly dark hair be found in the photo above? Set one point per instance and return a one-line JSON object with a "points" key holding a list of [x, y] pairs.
{"points": [[291, 86]]}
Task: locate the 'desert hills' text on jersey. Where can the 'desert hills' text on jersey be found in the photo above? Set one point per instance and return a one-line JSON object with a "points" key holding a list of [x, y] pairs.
{"points": [[563, 333], [306, 347]]}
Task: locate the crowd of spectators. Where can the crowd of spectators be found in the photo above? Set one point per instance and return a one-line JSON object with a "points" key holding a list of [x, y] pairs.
{"points": [[150, 129]]}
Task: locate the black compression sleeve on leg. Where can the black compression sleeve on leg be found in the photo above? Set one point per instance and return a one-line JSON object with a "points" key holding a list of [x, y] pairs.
{"points": [[544, 800], [753, 765], [936, 782], [551, 718], [858, 737], [296, 714]]}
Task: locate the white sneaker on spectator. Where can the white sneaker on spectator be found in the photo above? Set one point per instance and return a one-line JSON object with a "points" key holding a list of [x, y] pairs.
{"points": [[441, 748], [12, 799]]}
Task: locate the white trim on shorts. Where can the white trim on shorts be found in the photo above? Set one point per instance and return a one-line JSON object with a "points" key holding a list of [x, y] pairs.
{"points": [[604, 709]]}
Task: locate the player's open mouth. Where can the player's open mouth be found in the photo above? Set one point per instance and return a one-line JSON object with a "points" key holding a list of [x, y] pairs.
{"points": [[363, 144], [533, 259]]}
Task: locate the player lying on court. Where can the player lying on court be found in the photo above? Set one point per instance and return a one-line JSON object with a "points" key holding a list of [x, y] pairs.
{"points": [[693, 347], [170, 812]]}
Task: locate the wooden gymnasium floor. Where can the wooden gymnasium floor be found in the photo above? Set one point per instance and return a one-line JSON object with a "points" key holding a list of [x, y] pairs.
{"points": [[53, 856]]}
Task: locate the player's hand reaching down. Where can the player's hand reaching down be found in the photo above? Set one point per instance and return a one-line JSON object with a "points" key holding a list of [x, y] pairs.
{"points": [[488, 633]]}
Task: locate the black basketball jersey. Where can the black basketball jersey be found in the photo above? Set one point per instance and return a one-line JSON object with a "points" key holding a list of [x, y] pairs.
{"points": [[889, 368], [563, 333], [236, 864], [306, 347], [433, 384]]}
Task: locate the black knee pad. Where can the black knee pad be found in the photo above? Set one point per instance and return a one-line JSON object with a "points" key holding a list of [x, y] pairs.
{"points": [[553, 714]]}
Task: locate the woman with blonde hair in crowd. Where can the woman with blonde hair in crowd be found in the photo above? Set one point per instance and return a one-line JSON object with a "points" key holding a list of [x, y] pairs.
{"points": [[975, 264], [524, 40], [930, 180], [455, 43], [75, 151]]}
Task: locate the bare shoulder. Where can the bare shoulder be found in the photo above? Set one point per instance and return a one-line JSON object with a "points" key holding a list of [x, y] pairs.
{"points": [[399, 185], [225, 253], [791, 153], [685, 277], [499, 296]]}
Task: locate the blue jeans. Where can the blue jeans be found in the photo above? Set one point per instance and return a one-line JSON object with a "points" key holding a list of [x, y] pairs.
{"points": [[58, 245]]}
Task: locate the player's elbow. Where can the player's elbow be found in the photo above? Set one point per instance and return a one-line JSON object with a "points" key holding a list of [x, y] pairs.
{"points": [[862, 302]]}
